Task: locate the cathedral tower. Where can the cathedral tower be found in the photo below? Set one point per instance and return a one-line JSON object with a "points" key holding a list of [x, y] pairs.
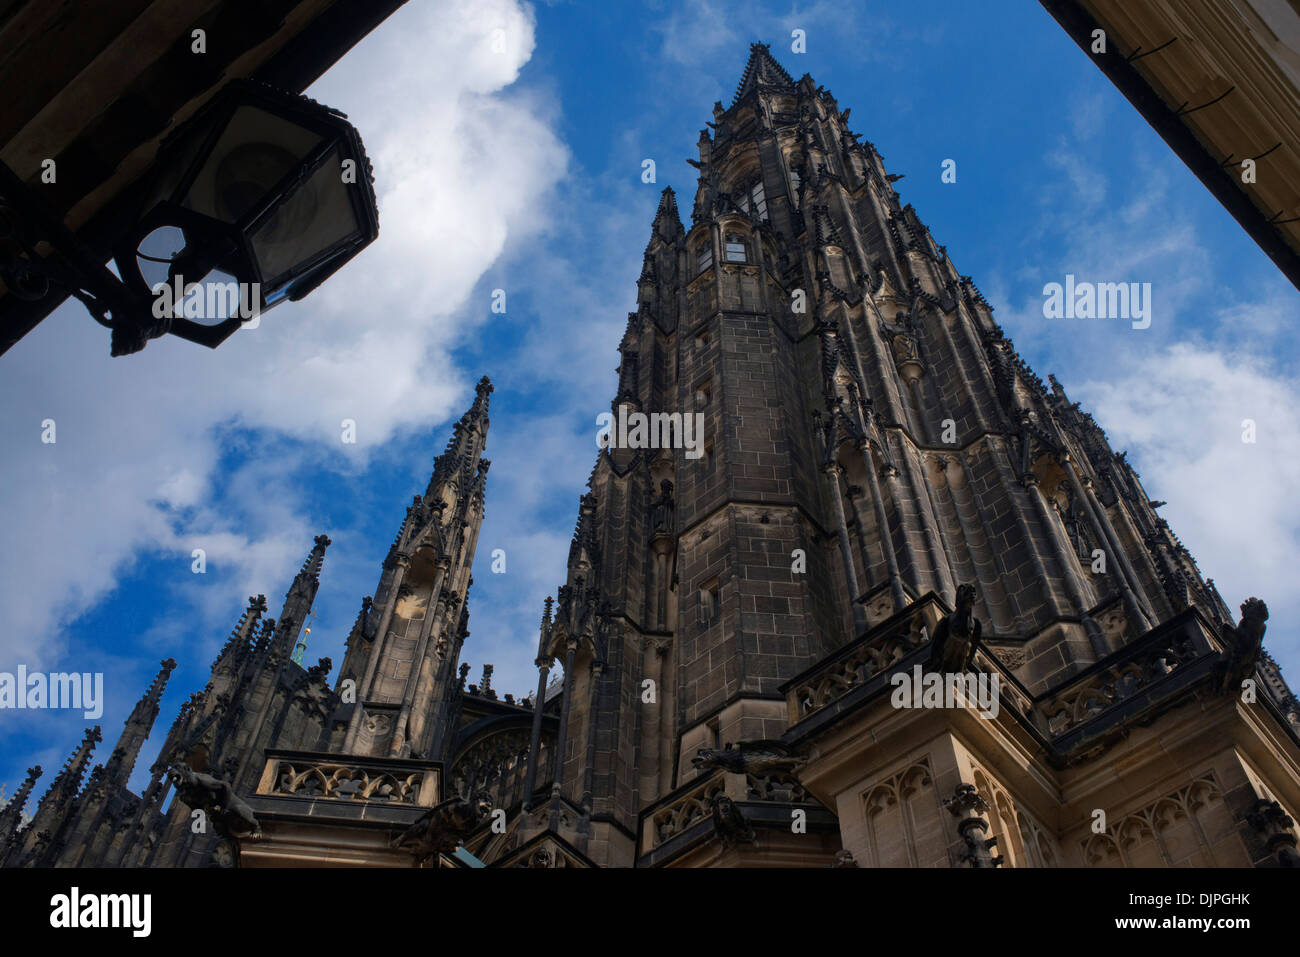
{"points": [[849, 585], [876, 466]]}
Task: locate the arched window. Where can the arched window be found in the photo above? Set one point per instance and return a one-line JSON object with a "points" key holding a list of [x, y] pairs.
{"points": [[756, 200], [705, 257]]}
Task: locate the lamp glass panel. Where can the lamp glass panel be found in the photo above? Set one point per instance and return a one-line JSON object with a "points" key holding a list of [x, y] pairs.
{"points": [[251, 155], [163, 243], [309, 221], [215, 298]]}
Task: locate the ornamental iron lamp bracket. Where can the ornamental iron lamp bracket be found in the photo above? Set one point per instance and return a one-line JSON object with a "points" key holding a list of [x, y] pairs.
{"points": [[268, 189]]}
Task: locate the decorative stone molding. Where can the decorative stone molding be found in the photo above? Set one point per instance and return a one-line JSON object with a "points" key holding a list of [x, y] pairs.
{"points": [[857, 663], [1158, 834], [1277, 829], [968, 805], [347, 781], [496, 764], [686, 810], [1123, 675]]}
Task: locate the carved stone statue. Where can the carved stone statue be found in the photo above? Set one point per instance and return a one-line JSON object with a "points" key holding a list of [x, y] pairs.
{"points": [[369, 618], [1243, 645], [969, 806], [758, 758], [229, 815], [441, 829], [662, 510], [729, 824], [1276, 828], [957, 636]]}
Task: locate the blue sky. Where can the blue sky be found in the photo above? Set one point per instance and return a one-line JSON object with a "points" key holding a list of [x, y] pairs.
{"points": [[521, 170]]}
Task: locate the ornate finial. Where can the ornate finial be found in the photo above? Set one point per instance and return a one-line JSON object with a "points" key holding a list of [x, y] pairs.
{"points": [[1276, 827], [969, 805]]}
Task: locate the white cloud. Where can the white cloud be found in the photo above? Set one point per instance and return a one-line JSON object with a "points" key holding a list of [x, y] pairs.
{"points": [[464, 165], [696, 31], [1175, 394], [1231, 502]]}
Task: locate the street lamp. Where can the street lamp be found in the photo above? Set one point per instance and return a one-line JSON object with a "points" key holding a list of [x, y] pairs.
{"points": [[265, 189]]}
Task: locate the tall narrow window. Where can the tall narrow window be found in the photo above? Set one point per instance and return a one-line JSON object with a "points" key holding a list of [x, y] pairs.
{"points": [[703, 393], [708, 602], [706, 257], [760, 201]]}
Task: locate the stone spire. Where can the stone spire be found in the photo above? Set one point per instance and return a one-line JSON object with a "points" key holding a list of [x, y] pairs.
{"points": [[404, 664], [56, 803], [466, 442], [299, 599], [863, 413], [11, 815], [138, 725], [240, 641], [761, 70]]}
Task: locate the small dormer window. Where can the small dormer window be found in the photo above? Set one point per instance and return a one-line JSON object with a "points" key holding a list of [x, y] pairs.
{"points": [[734, 250]]}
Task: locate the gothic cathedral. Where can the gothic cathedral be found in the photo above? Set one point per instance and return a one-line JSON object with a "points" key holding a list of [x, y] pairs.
{"points": [[903, 606]]}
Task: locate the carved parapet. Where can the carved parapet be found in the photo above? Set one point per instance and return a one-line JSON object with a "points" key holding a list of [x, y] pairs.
{"points": [[856, 663], [744, 794], [1128, 680], [332, 778], [683, 811]]}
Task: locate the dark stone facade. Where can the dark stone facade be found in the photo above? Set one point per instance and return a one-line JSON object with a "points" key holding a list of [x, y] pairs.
{"points": [[872, 441]]}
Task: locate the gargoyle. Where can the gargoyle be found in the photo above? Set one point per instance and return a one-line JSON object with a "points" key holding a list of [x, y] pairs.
{"points": [[758, 758], [229, 815], [441, 829], [957, 636], [1243, 645], [730, 824]]}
